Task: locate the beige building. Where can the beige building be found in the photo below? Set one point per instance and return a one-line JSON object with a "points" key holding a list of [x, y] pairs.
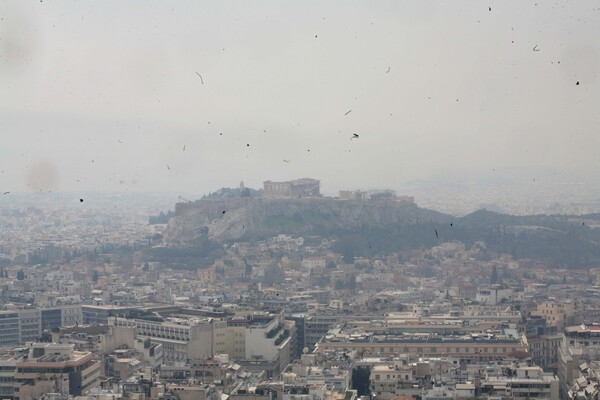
{"points": [[235, 342], [122, 367], [557, 314], [257, 337], [54, 368], [7, 378], [528, 383], [192, 392], [384, 381], [207, 275], [470, 347], [219, 337], [580, 343]]}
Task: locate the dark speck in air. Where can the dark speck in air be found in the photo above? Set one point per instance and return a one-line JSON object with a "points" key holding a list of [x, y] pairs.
{"points": [[577, 84], [308, 150], [348, 112], [354, 136], [81, 200], [388, 70], [490, 8], [436, 234], [223, 211], [6, 192], [169, 168], [248, 145], [221, 134], [535, 48], [583, 223], [450, 223], [315, 36]]}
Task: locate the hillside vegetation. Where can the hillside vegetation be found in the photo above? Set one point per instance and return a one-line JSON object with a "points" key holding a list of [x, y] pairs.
{"points": [[376, 228]]}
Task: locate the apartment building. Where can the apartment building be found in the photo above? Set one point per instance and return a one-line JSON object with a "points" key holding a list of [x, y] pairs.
{"points": [[579, 343], [559, 314], [544, 341]]}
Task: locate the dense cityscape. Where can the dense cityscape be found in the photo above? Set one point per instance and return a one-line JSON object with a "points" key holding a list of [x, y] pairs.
{"points": [[118, 300], [299, 200]]}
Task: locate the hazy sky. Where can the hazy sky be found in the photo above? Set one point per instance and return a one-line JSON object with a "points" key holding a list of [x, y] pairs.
{"points": [[104, 95]]}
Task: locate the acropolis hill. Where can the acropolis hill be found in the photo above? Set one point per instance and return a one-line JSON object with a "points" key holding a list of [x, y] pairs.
{"points": [[286, 207]]}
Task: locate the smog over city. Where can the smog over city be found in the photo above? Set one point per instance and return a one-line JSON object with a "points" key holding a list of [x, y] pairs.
{"points": [[277, 200]]}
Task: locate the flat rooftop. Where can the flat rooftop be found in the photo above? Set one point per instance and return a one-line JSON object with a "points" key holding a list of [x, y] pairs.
{"points": [[425, 337]]}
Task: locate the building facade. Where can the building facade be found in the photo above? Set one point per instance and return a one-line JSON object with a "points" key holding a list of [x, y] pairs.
{"points": [[41, 368]]}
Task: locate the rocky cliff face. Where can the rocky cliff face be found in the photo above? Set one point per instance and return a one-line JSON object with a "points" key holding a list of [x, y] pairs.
{"points": [[380, 227], [254, 218]]}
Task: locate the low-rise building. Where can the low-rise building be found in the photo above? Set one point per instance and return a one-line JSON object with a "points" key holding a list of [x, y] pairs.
{"points": [[522, 382], [181, 339], [467, 347], [40, 368]]}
